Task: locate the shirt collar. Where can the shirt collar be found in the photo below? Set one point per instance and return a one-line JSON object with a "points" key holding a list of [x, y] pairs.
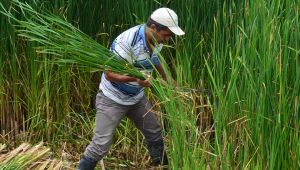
{"points": [[142, 33]]}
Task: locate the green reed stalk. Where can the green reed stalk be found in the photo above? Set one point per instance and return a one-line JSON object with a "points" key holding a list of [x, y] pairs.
{"points": [[245, 52], [60, 38]]}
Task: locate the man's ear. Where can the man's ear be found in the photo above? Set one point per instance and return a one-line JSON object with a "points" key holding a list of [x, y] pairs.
{"points": [[153, 27]]}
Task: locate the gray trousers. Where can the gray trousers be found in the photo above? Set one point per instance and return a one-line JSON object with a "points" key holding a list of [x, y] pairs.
{"points": [[109, 115]]}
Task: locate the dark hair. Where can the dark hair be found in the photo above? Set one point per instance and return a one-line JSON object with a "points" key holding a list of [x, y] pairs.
{"points": [[158, 26]]}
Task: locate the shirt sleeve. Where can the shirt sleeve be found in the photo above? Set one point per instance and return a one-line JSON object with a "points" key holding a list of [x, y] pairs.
{"points": [[155, 60], [123, 50]]}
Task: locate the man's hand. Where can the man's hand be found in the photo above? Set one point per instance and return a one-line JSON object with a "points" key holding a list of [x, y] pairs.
{"points": [[114, 77], [144, 83]]}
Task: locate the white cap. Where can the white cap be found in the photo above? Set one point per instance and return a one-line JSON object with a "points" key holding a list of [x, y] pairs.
{"points": [[168, 18]]}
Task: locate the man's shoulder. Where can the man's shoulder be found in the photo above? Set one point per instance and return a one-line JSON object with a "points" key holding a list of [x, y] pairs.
{"points": [[129, 34], [130, 43]]}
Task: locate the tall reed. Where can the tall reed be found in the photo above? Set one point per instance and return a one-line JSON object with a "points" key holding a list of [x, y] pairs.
{"points": [[245, 52]]}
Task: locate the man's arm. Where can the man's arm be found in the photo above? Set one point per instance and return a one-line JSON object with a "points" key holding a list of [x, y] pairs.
{"points": [[161, 72], [115, 77]]}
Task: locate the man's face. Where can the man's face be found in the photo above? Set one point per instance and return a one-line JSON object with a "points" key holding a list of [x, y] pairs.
{"points": [[162, 36]]}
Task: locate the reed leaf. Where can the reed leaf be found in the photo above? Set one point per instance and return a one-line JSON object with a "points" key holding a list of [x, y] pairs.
{"points": [[68, 44]]}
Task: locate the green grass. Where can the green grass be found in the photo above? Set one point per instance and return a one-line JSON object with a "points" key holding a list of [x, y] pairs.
{"points": [[245, 52]]}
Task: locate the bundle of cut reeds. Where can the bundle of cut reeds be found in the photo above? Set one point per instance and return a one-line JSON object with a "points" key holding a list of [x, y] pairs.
{"points": [[27, 156], [67, 43]]}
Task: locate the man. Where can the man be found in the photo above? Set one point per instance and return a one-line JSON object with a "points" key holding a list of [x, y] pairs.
{"points": [[122, 95]]}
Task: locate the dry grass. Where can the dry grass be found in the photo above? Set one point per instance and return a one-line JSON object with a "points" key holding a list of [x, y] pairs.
{"points": [[30, 157]]}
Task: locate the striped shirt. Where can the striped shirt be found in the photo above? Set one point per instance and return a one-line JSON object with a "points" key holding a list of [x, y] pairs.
{"points": [[130, 46]]}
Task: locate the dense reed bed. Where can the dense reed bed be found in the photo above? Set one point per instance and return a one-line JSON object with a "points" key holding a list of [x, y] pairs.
{"points": [[245, 52]]}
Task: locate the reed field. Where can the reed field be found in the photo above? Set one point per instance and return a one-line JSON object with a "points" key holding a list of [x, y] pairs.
{"points": [[237, 69]]}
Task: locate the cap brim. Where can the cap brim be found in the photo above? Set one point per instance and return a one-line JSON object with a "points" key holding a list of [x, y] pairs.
{"points": [[176, 30]]}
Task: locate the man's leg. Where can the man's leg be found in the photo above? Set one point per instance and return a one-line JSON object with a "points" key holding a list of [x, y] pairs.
{"points": [[108, 117], [146, 121]]}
